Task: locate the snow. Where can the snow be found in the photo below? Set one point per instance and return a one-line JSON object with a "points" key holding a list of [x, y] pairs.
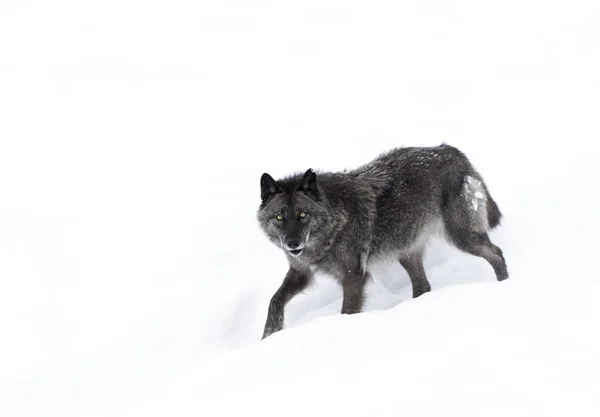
{"points": [[134, 279], [486, 352]]}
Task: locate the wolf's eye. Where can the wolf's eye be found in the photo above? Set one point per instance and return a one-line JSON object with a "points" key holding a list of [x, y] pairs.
{"points": [[303, 214], [279, 217]]}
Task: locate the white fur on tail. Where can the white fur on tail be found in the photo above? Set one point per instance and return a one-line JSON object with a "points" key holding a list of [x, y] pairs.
{"points": [[476, 197]]}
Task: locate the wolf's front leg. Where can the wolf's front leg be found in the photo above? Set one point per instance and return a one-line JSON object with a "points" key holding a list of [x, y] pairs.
{"points": [[353, 286], [294, 282]]}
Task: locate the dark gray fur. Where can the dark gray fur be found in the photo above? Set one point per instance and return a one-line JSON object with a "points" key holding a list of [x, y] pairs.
{"points": [[384, 210]]}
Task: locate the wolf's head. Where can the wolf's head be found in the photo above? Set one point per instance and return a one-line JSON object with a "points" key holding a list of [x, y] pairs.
{"points": [[293, 213]]}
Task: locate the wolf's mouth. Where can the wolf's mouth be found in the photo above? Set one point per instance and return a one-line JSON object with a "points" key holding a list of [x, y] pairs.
{"points": [[295, 252]]}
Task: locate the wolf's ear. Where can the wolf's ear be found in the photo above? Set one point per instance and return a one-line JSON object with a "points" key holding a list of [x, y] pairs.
{"points": [[268, 187], [309, 182]]}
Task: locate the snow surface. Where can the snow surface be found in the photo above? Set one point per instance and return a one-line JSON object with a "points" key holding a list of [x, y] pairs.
{"points": [[134, 279]]}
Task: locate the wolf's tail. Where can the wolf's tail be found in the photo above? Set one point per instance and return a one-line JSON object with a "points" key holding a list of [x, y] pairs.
{"points": [[494, 215], [493, 212]]}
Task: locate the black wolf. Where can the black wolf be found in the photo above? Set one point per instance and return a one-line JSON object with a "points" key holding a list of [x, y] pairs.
{"points": [[340, 223]]}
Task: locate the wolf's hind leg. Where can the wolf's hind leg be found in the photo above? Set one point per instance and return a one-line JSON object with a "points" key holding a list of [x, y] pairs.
{"points": [[413, 264], [479, 244], [467, 221]]}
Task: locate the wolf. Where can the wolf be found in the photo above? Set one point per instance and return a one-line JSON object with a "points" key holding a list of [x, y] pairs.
{"points": [[341, 223]]}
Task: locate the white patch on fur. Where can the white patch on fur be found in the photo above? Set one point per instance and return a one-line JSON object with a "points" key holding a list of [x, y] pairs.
{"points": [[475, 195]]}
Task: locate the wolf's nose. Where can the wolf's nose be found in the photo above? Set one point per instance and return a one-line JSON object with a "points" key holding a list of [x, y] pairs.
{"points": [[293, 244]]}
